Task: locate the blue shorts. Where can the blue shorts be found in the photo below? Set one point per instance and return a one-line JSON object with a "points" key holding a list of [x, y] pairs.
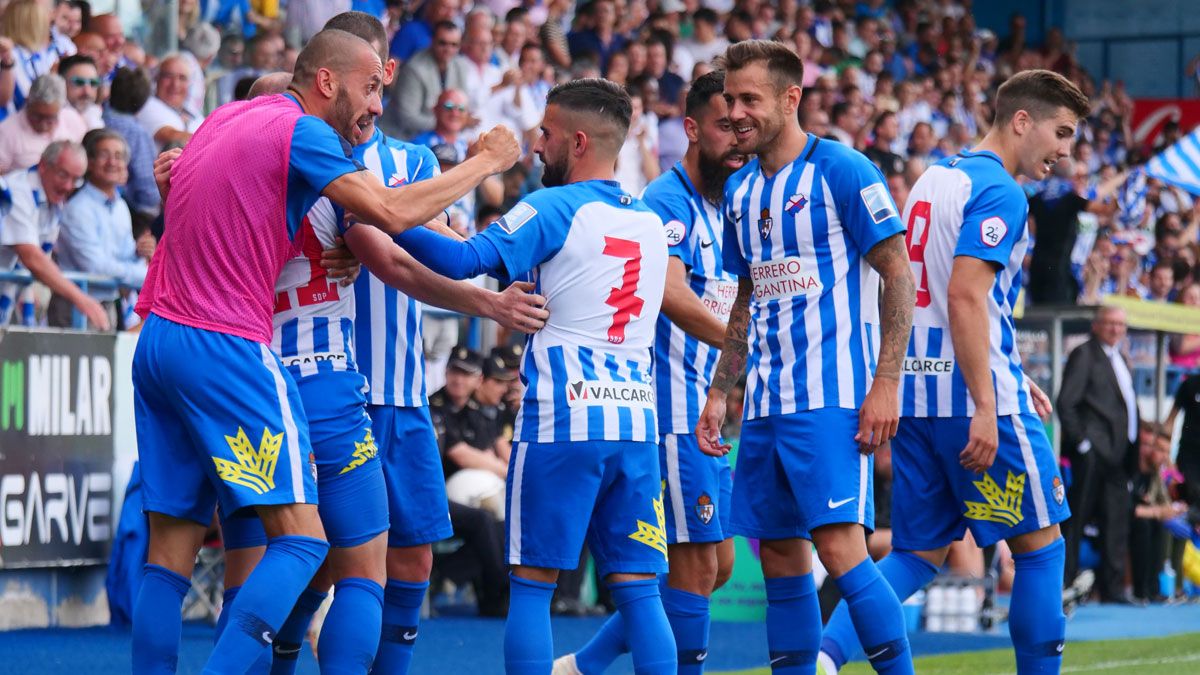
{"points": [[800, 471], [605, 492], [412, 469], [350, 482], [218, 419], [697, 487], [935, 500]]}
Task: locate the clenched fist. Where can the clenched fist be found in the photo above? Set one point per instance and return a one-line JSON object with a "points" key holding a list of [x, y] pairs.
{"points": [[500, 147]]}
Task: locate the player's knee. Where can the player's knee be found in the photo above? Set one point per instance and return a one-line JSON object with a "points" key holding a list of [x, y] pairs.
{"points": [[724, 570], [410, 563], [841, 547], [365, 561], [694, 568], [300, 520]]}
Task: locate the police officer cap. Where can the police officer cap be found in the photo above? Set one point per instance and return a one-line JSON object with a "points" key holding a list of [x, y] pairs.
{"points": [[510, 354], [464, 360]]}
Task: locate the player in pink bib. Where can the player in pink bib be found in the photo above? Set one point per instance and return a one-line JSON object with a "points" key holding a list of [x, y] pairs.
{"points": [[218, 417]]}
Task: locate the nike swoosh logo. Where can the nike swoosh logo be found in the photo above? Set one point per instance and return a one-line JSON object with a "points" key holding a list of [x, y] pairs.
{"points": [[834, 505], [266, 636], [701, 656], [410, 636], [1058, 648], [284, 651], [705, 244], [876, 654], [777, 659]]}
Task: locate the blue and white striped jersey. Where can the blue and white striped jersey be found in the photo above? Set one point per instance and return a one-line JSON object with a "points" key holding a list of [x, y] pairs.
{"points": [[965, 205], [314, 316], [800, 237], [388, 322], [25, 218], [683, 365], [599, 256]]}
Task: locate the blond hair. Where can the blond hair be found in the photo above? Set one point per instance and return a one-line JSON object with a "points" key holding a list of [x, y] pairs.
{"points": [[27, 24]]}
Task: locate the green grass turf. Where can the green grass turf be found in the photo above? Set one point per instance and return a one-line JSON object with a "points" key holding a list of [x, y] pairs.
{"points": [[1169, 655]]}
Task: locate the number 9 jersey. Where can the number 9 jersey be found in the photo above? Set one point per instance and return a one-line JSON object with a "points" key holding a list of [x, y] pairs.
{"points": [[965, 205], [599, 256]]}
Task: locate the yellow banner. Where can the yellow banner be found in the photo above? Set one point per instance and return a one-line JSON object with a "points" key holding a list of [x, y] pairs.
{"points": [[1170, 317]]}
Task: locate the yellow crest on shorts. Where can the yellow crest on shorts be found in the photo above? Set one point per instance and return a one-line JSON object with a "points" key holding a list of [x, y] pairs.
{"points": [[362, 452], [653, 536], [254, 468], [1003, 506]]}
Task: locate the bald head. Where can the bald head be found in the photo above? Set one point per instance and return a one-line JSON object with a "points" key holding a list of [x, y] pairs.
{"points": [[269, 84], [333, 50]]}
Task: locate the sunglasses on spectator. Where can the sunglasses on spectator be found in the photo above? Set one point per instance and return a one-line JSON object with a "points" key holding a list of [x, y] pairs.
{"points": [[454, 106], [81, 81]]}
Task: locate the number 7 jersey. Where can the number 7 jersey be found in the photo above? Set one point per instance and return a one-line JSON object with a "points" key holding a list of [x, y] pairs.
{"points": [[965, 205], [599, 256]]}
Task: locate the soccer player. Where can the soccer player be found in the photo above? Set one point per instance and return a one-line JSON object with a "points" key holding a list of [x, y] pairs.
{"points": [[809, 230], [971, 451], [584, 463], [691, 329], [205, 380]]}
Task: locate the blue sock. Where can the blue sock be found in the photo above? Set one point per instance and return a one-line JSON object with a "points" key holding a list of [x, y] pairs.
{"points": [[688, 614], [265, 601], [158, 620], [263, 665], [905, 572], [401, 617], [647, 630], [290, 638], [605, 646], [1035, 617], [878, 619], [350, 635], [793, 625], [528, 643]]}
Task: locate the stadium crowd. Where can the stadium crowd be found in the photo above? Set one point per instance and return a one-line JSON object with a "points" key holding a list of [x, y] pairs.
{"points": [[87, 103]]}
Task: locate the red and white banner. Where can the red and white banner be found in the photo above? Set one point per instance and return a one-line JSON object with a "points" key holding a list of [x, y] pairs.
{"points": [[1151, 114]]}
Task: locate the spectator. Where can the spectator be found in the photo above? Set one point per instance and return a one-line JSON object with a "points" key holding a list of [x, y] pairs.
{"points": [[886, 131], [26, 48], [83, 89], [130, 91], [449, 403], [199, 50], [417, 34], [483, 77], [1187, 457], [705, 44], [264, 52], [922, 143], [422, 80], [638, 161], [97, 231], [305, 18], [514, 37], [69, 17], [450, 116], [1151, 506], [157, 20], [1185, 349], [670, 85], [520, 105], [553, 33], [108, 27], [24, 136], [28, 231], [845, 126], [92, 45], [597, 38], [1098, 410], [166, 116], [477, 449], [1162, 282]]}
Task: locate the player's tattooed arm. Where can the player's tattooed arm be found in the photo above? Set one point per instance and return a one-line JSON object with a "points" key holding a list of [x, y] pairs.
{"points": [[732, 363], [890, 259]]}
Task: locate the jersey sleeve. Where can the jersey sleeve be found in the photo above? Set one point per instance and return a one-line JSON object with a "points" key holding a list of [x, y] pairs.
{"points": [[678, 223], [867, 211], [731, 249], [318, 154], [993, 219], [531, 232], [327, 220], [20, 224]]}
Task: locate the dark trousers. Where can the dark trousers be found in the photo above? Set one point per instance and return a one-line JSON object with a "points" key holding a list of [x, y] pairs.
{"points": [[480, 560], [1147, 551], [1100, 494]]}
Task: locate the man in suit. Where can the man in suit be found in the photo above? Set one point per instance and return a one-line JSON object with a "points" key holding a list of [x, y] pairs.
{"points": [[410, 110], [1098, 411]]}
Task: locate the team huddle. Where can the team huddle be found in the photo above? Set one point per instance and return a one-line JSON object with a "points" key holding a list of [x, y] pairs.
{"points": [[293, 401]]}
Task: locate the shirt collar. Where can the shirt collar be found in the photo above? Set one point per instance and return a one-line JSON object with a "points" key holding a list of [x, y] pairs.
{"points": [[98, 195]]}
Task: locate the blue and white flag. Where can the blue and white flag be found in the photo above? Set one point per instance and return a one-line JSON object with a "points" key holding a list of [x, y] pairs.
{"points": [[1131, 199], [1179, 164]]}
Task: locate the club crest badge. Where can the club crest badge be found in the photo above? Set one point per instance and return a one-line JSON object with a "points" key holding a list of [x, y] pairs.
{"points": [[765, 222], [705, 508]]}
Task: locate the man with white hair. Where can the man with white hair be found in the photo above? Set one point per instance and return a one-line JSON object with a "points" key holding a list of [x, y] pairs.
{"points": [[167, 116], [200, 48], [29, 227], [25, 135]]}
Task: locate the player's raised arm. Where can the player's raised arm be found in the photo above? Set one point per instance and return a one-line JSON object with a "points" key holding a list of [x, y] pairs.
{"points": [[880, 415], [395, 210]]}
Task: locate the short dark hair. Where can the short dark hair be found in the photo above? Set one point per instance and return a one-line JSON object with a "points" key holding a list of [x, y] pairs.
{"points": [[782, 64], [362, 25], [130, 90], [93, 139], [444, 25], [840, 109], [73, 60], [599, 98], [241, 89], [702, 90], [1040, 93], [706, 15], [516, 14]]}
